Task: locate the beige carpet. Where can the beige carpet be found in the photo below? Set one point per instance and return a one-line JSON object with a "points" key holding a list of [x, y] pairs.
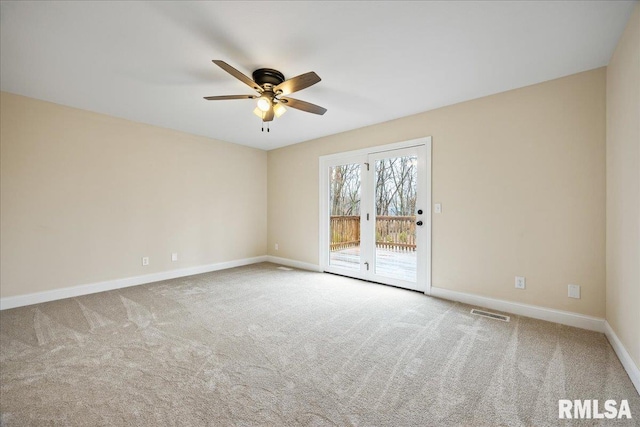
{"points": [[261, 346]]}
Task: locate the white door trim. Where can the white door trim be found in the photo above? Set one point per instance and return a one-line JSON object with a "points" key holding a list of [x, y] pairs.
{"points": [[360, 156]]}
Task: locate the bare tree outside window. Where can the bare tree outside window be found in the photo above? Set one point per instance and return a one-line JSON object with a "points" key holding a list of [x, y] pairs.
{"points": [[396, 186], [345, 190]]}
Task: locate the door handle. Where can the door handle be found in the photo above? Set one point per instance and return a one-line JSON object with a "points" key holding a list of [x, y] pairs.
{"points": [[419, 223]]}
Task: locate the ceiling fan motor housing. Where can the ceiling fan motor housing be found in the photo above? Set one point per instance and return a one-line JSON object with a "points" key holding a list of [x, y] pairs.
{"points": [[270, 76]]}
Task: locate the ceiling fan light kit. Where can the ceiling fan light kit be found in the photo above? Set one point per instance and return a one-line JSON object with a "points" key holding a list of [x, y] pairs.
{"points": [[264, 103], [272, 89], [279, 110]]}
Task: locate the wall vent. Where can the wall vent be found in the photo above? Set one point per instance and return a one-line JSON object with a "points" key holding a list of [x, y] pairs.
{"points": [[490, 315]]}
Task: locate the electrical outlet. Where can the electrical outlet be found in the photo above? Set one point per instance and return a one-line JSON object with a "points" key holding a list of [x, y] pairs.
{"points": [[520, 282], [145, 260], [174, 256], [574, 291], [275, 246]]}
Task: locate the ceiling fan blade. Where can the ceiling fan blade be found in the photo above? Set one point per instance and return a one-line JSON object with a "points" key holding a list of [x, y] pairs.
{"points": [[297, 83], [218, 98], [237, 74], [304, 106]]}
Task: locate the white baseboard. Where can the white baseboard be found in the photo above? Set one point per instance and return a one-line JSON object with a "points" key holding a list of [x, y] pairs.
{"points": [[293, 263], [557, 316], [108, 285], [624, 356]]}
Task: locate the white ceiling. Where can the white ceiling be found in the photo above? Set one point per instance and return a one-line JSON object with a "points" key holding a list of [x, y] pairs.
{"points": [[151, 61]]}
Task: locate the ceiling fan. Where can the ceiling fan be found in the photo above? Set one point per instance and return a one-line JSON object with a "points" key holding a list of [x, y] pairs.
{"points": [[272, 91]]}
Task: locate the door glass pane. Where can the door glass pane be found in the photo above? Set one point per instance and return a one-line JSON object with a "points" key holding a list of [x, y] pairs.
{"points": [[395, 198], [344, 205]]}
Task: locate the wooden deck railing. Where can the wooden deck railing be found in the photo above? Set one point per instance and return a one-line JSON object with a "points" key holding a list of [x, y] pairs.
{"points": [[396, 233], [345, 232]]}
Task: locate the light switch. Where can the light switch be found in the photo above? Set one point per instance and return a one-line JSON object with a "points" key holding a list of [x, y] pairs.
{"points": [[438, 208]]}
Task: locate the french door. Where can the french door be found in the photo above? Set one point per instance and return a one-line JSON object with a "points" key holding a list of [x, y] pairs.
{"points": [[376, 214]]}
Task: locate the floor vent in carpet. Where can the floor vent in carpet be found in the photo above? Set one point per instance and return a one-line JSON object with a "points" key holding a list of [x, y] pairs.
{"points": [[285, 268], [490, 315]]}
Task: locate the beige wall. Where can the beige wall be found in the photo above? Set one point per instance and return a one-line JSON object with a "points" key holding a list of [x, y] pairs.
{"points": [[84, 196], [623, 188], [521, 179]]}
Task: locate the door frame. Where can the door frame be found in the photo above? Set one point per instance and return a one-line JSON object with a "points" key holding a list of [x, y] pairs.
{"points": [[355, 156]]}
